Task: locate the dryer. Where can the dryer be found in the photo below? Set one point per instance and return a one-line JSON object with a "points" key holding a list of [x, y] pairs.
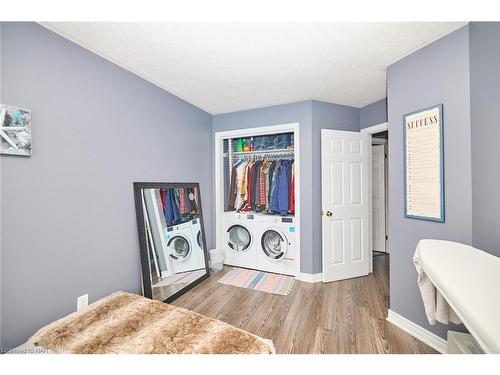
{"points": [[276, 244], [239, 234], [180, 244]]}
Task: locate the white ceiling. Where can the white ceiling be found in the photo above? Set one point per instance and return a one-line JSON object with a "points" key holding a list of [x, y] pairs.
{"points": [[225, 67]]}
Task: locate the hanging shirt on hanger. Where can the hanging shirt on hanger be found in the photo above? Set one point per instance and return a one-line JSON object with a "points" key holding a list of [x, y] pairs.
{"points": [[190, 207], [182, 201], [255, 185], [169, 211], [247, 205], [233, 188], [163, 196], [283, 185], [264, 200], [262, 186], [196, 199], [273, 199], [171, 208], [270, 183], [240, 171], [244, 183]]}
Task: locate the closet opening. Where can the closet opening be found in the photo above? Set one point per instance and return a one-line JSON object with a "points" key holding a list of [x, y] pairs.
{"points": [[257, 191]]}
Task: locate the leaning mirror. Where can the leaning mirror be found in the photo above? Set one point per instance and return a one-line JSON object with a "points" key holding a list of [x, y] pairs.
{"points": [[171, 238]]}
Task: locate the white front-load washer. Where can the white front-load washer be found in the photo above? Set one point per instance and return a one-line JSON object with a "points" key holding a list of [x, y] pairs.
{"points": [[180, 248], [239, 247], [276, 244]]}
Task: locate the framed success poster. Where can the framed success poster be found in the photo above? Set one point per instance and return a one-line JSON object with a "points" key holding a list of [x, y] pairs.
{"points": [[423, 163]]}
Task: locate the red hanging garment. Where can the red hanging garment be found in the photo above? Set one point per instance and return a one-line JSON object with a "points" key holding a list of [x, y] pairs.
{"points": [[248, 203], [182, 201], [262, 186], [163, 196]]}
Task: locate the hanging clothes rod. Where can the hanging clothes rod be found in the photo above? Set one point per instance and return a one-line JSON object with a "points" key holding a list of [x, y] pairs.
{"points": [[262, 157]]}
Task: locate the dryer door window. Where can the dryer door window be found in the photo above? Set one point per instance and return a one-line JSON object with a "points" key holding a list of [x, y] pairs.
{"points": [[274, 244], [180, 248], [239, 238]]}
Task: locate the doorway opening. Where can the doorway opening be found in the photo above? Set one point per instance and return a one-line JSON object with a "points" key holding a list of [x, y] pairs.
{"points": [[379, 140], [380, 209], [354, 194]]}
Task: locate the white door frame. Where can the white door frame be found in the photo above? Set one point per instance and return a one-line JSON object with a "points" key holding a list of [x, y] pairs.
{"points": [[219, 138], [373, 130]]}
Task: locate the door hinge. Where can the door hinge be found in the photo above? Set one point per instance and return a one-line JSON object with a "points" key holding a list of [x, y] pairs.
{"points": [[386, 237]]}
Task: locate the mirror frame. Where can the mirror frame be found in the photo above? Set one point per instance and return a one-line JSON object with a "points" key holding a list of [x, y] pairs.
{"points": [[147, 284]]}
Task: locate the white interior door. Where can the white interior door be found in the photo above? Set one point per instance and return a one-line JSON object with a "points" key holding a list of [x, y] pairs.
{"points": [[378, 198], [346, 237]]}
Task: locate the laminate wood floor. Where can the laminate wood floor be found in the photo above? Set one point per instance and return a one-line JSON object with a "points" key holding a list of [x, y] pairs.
{"points": [[340, 317]]}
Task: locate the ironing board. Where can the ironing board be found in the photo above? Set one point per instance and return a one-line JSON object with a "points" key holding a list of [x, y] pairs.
{"points": [[469, 280]]}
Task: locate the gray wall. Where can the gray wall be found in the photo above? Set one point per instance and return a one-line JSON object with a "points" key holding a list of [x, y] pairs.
{"points": [[373, 114], [68, 218], [325, 116], [485, 123], [437, 73]]}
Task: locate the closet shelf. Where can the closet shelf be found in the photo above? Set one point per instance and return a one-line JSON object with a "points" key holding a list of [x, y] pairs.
{"points": [[260, 152]]}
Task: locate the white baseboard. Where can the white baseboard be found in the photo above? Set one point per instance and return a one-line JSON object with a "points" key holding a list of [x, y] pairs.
{"points": [[427, 337], [310, 277]]}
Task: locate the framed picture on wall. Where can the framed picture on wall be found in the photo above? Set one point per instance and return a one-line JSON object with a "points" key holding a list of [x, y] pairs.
{"points": [[15, 130], [424, 164]]}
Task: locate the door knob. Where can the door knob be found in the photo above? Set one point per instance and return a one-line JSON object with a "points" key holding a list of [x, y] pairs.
{"points": [[328, 213]]}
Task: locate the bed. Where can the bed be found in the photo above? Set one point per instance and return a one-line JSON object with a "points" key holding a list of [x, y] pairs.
{"points": [[125, 323]]}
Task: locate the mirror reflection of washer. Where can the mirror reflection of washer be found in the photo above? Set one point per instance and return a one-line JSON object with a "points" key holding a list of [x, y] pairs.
{"points": [[276, 246], [239, 246], [197, 237], [180, 248]]}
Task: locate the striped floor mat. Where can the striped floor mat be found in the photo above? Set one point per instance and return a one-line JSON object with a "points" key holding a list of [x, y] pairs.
{"points": [[258, 280]]}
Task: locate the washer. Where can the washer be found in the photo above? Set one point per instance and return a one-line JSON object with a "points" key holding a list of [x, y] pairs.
{"points": [[239, 245], [276, 244], [180, 244]]}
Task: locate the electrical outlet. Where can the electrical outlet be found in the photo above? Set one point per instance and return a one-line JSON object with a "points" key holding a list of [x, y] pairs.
{"points": [[82, 302]]}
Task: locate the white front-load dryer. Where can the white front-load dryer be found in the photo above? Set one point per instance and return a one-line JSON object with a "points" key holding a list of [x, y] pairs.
{"points": [[239, 247], [276, 244], [180, 248]]}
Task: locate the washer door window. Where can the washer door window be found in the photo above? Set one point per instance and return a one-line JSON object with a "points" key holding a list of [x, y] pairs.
{"points": [[274, 244], [239, 238], [180, 248]]}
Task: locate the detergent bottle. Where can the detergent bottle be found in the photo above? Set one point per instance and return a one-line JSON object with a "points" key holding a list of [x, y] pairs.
{"points": [[239, 145]]}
